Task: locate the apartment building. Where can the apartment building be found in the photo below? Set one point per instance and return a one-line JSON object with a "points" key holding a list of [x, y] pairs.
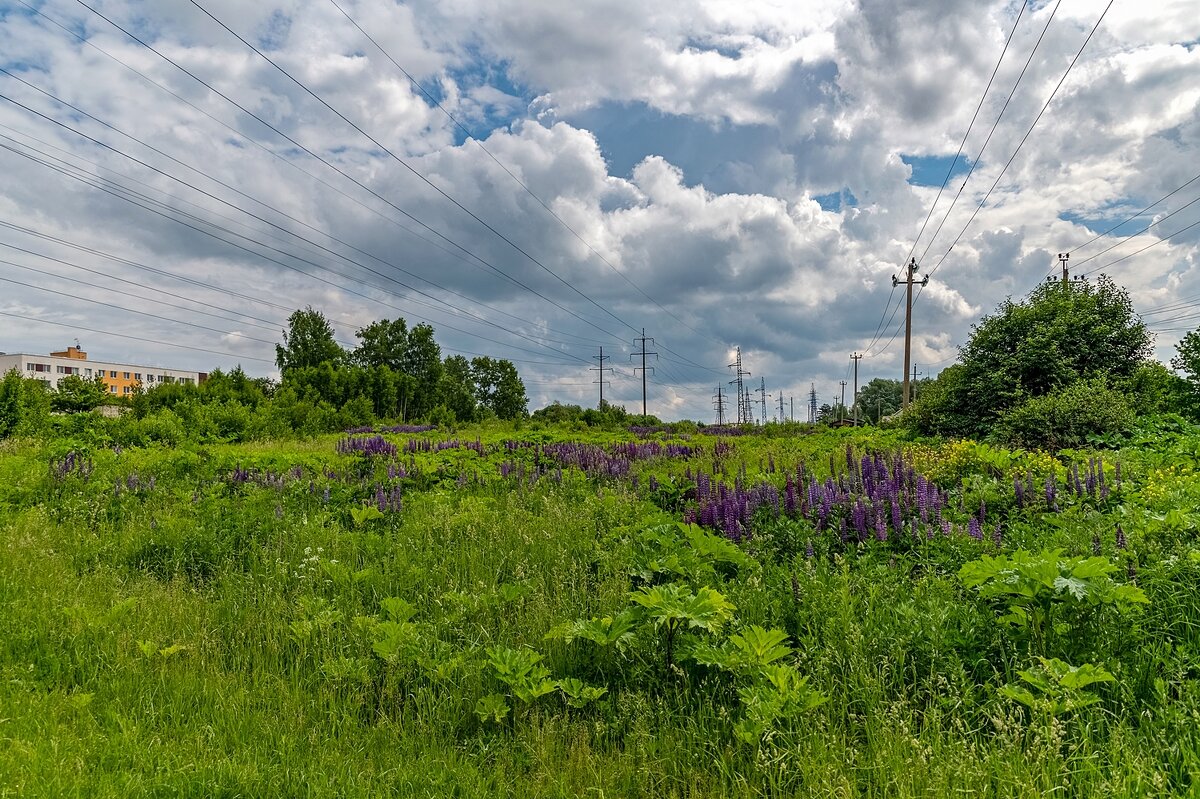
{"points": [[119, 378]]}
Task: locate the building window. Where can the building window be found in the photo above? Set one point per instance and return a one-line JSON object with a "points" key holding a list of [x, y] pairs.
{"points": [[113, 389], [29, 367], [87, 372], [126, 390], [112, 374], [125, 375], [137, 376], [149, 378]]}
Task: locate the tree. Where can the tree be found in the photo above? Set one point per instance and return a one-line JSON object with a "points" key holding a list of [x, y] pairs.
{"points": [[381, 344], [11, 389], [456, 391], [1187, 358], [75, 395], [1060, 336], [498, 387], [878, 398], [421, 360], [307, 342]]}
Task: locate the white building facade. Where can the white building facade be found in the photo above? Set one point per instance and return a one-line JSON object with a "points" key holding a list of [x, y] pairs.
{"points": [[119, 378]]}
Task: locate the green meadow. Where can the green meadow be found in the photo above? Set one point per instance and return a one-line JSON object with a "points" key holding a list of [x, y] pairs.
{"points": [[528, 610]]}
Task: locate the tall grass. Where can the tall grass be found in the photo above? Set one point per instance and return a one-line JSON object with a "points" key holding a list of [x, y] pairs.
{"points": [[210, 638]]}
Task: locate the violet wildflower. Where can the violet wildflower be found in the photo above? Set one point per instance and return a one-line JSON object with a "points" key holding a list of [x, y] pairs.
{"points": [[974, 529], [1122, 542]]}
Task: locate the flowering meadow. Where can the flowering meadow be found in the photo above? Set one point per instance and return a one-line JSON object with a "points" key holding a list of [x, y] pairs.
{"points": [[519, 610]]}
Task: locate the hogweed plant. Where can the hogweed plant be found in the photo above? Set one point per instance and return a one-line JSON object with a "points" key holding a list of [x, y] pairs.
{"points": [[1033, 590]]}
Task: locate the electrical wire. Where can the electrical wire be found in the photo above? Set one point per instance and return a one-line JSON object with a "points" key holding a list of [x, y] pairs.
{"points": [[312, 154], [512, 175], [141, 339], [273, 225], [417, 173]]}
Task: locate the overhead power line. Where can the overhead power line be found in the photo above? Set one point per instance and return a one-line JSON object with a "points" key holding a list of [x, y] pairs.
{"points": [[979, 156], [259, 218], [141, 339], [429, 96], [1025, 138], [89, 42], [950, 171], [312, 154], [417, 173], [270, 259]]}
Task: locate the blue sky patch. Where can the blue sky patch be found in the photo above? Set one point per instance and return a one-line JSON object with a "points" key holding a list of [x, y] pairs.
{"points": [[1102, 222], [930, 170], [722, 157], [836, 201], [710, 47], [480, 71]]}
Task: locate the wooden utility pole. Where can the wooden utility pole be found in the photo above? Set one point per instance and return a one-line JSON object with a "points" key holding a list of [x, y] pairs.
{"points": [[1063, 258], [856, 357], [642, 341], [842, 409], [908, 281], [601, 369], [915, 375]]}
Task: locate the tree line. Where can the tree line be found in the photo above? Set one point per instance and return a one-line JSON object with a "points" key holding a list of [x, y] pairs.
{"points": [[395, 373]]}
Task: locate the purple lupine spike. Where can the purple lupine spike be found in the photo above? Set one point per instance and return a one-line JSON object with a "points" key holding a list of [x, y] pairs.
{"points": [[947, 528], [982, 511], [1096, 549], [1019, 492], [1051, 490], [880, 525], [997, 535], [897, 522], [974, 529], [1122, 542], [808, 549]]}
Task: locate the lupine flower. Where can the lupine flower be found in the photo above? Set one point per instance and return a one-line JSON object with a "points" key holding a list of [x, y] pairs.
{"points": [[1019, 491], [974, 529], [1096, 544], [808, 549], [1122, 542]]}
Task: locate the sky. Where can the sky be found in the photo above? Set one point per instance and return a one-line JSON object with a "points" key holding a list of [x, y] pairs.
{"points": [[717, 173]]}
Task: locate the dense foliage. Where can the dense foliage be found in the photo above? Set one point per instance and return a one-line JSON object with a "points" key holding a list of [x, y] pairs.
{"points": [[1026, 369]]}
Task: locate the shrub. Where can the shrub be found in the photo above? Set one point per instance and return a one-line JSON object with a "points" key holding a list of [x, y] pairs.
{"points": [[1068, 417]]}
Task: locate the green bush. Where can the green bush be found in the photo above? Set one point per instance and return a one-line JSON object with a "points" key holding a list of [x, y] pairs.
{"points": [[1066, 418]]}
